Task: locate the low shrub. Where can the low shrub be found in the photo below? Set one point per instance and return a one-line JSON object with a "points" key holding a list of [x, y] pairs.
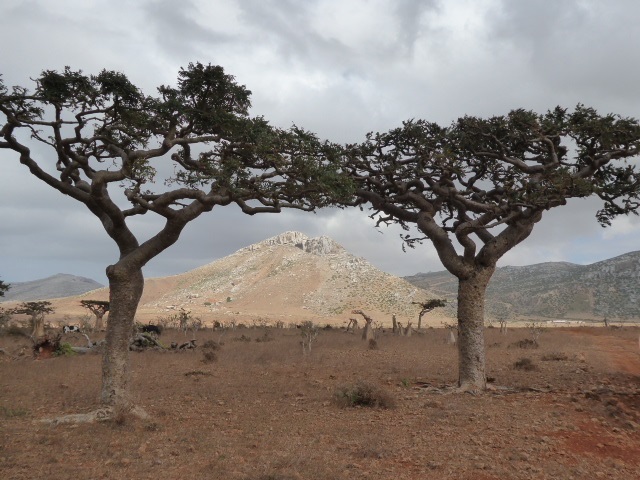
{"points": [[211, 345], [363, 394], [526, 343], [7, 412], [209, 356], [64, 350], [525, 364], [16, 331], [555, 357]]}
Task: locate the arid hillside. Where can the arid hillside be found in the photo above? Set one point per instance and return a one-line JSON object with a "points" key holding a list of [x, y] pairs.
{"points": [[555, 290], [289, 278]]}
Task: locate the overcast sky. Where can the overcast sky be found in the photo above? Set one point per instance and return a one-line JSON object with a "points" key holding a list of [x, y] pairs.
{"points": [[340, 68]]}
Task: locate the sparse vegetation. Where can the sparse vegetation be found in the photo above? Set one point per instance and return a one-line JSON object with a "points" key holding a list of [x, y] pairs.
{"points": [[525, 343], [309, 333], [266, 399], [535, 330], [363, 394], [5, 318], [209, 356], [555, 357], [525, 364], [8, 412], [64, 350]]}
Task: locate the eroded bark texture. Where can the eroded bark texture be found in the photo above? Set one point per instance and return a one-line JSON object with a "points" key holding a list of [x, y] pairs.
{"points": [[471, 353], [37, 322], [99, 322], [126, 286]]}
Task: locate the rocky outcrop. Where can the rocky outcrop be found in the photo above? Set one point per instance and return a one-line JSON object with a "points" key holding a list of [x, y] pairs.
{"points": [[317, 246]]}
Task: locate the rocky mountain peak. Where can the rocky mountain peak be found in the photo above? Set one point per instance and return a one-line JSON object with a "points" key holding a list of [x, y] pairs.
{"points": [[322, 245]]}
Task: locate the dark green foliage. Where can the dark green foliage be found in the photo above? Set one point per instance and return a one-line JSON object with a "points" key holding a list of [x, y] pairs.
{"points": [[64, 350], [114, 135], [34, 309], [482, 175], [3, 288]]}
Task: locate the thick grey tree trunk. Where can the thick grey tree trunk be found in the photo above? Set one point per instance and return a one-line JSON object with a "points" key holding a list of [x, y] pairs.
{"points": [[125, 289], [99, 322], [471, 352]]}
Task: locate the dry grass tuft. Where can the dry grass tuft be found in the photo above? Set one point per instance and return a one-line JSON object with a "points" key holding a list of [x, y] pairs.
{"points": [[363, 394], [525, 364], [555, 357], [209, 356], [526, 343]]}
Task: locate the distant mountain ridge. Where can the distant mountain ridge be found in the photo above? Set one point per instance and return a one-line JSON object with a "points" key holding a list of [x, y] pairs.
{"points": [[294, 277], [56, 286], [609, 288], [290, 278]]}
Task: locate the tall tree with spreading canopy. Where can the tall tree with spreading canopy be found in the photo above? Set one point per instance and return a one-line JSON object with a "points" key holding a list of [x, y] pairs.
{"points": [[37, 311], [428, 306], [99, 308], [476, 189], [106, 141]]}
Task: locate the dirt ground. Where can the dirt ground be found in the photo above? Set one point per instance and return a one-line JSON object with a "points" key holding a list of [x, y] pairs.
{"points": [[260, 410]]}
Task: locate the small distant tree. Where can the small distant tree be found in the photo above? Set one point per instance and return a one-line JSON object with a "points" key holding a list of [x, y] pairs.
{"points": [[309, 333], [535, 329], [3, 288], [426, 307], [99, 308], [367, 331], [476, 189], [37, 311]]}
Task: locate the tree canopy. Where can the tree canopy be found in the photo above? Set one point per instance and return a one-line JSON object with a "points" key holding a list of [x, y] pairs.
{"points": [[104, 132], [476, 189], [483, 183], [178, 154]]}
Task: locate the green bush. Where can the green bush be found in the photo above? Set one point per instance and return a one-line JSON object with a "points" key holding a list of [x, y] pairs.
{"points": [[64, 350]]}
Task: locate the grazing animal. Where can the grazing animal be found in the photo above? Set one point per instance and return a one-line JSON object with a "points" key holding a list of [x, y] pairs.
{"points": [[151, 329], [70, 328]]}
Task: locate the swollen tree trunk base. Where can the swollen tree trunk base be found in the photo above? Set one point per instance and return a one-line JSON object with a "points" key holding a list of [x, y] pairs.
{"points": [[471, 352], [125, 290]]}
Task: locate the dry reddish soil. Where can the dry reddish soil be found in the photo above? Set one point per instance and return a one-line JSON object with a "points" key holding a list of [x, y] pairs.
{"points": [[263, 411]]}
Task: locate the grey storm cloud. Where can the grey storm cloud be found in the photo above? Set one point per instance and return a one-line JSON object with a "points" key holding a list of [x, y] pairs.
{"points": [[340, 69]]}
